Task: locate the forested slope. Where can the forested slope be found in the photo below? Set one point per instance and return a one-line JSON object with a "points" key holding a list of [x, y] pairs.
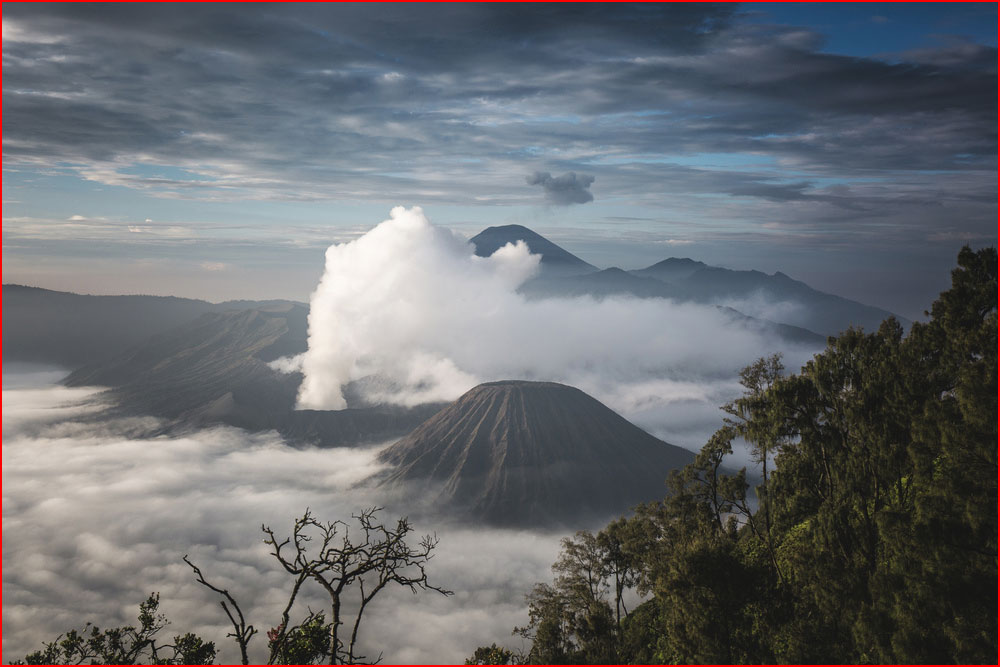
{"points": [[875, 535]]}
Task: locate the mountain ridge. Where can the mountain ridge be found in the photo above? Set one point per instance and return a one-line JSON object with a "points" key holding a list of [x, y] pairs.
{"points": [[822, 312], [685, 279], [72, 330]]}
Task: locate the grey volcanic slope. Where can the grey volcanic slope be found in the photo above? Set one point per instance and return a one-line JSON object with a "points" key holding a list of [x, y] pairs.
{"points": [[71, 330], [822, 312], [530, 453], [214, 371], [616, 282], [555, 260]]}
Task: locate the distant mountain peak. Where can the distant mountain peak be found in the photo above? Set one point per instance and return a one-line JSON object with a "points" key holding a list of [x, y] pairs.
{"points": [[518, 384], [515, 229], [680, 261], [671, 269], [555, 260]]}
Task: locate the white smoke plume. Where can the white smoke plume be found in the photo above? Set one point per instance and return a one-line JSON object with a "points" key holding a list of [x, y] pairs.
{"points": [[411, 304], [396, 300]]}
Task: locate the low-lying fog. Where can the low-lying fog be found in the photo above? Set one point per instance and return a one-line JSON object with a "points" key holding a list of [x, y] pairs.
{"points": [[95, 517]]}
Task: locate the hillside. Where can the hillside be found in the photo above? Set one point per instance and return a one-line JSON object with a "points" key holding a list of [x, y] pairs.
{"points": [[776, 300], [71, 330], [757, 294]]}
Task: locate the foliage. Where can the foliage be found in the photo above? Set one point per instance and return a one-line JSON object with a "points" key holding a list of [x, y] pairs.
{"points": [[126, 645], [874, 538], [305, 644], [494, 655], [579, 617]]}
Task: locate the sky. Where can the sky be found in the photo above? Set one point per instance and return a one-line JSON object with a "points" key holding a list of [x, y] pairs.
{"points": [[216, 151]]}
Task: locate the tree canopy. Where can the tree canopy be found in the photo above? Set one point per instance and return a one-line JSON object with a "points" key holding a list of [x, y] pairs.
{"points": [[873, 537]]}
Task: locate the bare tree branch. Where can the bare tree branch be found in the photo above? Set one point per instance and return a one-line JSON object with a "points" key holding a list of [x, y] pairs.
{"points": [[352, 562], [242, 632]]}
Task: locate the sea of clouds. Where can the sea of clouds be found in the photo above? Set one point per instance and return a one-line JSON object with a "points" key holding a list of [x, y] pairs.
{"points": [[97, 515]]}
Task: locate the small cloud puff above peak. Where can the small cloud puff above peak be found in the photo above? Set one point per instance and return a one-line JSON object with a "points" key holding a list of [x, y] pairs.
{"points": [[570, 188]]}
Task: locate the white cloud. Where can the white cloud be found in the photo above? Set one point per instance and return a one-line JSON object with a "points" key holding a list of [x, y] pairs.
{"points": [[214, 266], [17, 32], [758, 304], [410, 303], [390, 299], [27, 406]]}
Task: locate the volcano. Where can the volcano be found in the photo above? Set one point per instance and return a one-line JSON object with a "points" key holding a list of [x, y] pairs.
{"points": [[525, 453], [555, 261]]}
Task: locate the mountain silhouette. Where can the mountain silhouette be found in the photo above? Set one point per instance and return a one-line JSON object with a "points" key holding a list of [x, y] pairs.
{"points": [[803, 306], [812, 315], [555, 260]]}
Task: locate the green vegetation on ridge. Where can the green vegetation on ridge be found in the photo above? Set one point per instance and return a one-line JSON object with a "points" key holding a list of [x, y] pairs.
{"points": [[874, 538]]}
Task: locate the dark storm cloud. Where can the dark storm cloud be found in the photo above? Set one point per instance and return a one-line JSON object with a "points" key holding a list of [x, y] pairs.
{"points": [[455, 103], [564, 190], [328, 101]]}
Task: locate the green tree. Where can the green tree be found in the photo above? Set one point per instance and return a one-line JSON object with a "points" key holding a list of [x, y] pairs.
{"points": [[753, 419], [945, 553], [494, 655], [126, 645], [579, 618], [841, 481], [875, 538], [706, 575]]}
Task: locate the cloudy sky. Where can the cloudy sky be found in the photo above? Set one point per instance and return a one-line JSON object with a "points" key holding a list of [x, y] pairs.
{"points": [[217, 150]]}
